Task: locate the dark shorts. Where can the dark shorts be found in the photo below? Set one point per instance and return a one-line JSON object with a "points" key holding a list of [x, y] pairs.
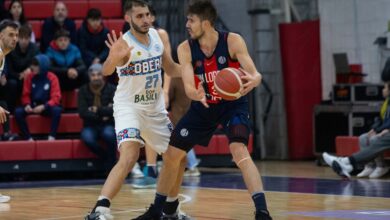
{"points": [[199, 123]]}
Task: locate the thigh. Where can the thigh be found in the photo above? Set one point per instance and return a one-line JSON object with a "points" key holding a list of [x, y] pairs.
{"points": [[194, 128], [127, 125], [236, 124], [156, 131]]}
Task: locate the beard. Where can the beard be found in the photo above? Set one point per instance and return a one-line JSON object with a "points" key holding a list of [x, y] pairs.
{"points": [[97, 83], [198, 36], [138, 28]]}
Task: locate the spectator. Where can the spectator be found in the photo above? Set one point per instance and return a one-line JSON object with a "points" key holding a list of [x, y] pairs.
{"points": [[91, 37], [41, 95], [19, 62], [55, 23], [66, 61], [372, 145], [95, 108], [16, 14]]}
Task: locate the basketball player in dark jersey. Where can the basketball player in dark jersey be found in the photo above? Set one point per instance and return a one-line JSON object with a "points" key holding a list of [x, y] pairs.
{"points": [[201, 57]]}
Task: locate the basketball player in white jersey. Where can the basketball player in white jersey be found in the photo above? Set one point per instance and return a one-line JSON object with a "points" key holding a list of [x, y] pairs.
{"points": [[9, 32], [139, 109]]}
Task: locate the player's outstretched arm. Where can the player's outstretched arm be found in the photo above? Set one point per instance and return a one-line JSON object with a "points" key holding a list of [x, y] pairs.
{"points": [[119, 53], [171, 68], [238, 50], [193, 92]]}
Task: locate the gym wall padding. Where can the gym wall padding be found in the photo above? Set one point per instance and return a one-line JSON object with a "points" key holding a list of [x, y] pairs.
{"points": [[301, 66]]}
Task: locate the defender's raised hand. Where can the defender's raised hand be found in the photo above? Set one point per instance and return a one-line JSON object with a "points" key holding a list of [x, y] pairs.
{"points": [[118, 47]]}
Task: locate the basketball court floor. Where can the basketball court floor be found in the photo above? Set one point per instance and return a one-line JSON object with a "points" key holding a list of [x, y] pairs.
{"points": [[294, 190]]}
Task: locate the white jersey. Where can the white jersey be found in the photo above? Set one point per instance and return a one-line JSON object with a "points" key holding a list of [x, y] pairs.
{"points": [[2, 66], [140, 82]]}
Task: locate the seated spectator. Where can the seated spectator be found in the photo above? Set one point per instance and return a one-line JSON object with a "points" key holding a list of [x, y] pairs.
{"points": [[91, 37], [19, 62], [95, 108], [59, 21], [41, 95], [372, 145], [66, 61], [16, 14]]}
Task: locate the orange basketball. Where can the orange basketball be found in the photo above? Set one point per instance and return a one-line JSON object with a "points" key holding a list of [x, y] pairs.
{"points": [[228, 83]]}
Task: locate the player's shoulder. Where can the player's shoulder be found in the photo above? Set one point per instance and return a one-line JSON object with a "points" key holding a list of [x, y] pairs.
{"points": [[185, 45], [233, 37]]}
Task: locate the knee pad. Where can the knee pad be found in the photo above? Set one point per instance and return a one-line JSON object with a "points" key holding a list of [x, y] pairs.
{"points": [[238, 129]]}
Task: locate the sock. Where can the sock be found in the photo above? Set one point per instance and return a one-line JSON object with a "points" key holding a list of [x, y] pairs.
{"points": [[159, 201], [170, 207], [152, 170], [102, 201], [259, 200]]}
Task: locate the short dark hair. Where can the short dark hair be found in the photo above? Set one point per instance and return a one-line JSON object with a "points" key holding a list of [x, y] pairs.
{"points": [[132, 3], [204, 9], [152, 10], [25, 31], [8, 23], [94, 14], [61, 33]]}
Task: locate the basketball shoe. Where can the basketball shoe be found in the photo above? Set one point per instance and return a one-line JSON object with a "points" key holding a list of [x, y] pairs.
{"points": [[340, 165], [150, 214], [100, 213], [262, 215]]}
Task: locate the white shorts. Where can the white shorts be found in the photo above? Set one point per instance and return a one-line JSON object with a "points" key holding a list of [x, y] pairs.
{"points": [[138, 125]]}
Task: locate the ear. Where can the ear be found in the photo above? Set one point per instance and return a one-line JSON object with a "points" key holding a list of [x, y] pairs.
{"points": [[127, 18]]}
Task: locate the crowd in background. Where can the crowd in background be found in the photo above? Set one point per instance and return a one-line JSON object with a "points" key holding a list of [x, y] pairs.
{"points": [[38, 71]]}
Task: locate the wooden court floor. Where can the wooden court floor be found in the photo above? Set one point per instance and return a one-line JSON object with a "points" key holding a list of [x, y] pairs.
{"points": [[294, 190]]}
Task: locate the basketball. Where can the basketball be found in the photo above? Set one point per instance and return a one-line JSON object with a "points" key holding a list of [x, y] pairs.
{"points": [[227, 83]]}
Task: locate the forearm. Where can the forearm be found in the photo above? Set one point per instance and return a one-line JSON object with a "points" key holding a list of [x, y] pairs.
{"points": [[191, 93], [109, 66]]}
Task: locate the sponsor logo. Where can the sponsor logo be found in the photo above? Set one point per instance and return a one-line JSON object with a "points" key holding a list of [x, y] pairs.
{"points": [[142, 67], [184, 132], [221, 59], [148, 97], [157, 48]]}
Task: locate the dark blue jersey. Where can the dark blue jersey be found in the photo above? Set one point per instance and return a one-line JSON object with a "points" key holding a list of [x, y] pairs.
{"points": [[206, 68]]}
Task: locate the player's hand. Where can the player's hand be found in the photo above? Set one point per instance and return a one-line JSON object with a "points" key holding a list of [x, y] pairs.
{"points": [[3, 115], [251, 81], [200, 95], [118, 47]]}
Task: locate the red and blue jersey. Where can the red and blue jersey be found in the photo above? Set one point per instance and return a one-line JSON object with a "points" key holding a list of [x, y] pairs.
{"points": [[206, 68]]}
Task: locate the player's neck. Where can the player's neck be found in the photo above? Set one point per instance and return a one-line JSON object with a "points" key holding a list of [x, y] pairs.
{"points": [[208, 41], [141, 37]]}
